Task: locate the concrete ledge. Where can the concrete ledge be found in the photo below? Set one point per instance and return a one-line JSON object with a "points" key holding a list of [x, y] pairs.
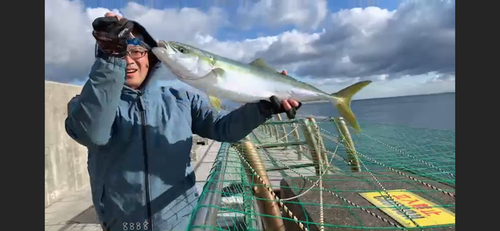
{"points": [[65, 160]]}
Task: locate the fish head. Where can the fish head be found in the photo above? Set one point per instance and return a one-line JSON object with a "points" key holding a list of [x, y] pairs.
{"points": [[186, 62]]}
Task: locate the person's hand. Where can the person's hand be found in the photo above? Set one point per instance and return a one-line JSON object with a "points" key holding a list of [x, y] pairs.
{"points": [[289, 103], [111, 33], [111, 14], [277, 106]]}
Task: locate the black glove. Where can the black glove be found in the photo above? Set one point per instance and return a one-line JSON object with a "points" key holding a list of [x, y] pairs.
{"points": [[276, 107], [111, 35]]}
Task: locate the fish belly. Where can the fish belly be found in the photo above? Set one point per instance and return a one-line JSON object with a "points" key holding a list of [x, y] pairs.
{"points": [[247, 88], [241, 87]]}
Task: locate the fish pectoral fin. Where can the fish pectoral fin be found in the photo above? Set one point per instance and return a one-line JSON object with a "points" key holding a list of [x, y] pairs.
{"points": [[219, 71], [214, 103], [260, 62]]}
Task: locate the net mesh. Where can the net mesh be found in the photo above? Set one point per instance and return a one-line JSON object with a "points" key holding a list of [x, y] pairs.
{"points": [[410, 171]]}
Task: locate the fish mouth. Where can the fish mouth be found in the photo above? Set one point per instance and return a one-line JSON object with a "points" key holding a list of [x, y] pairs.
{"points": [[162, 44], [168, 54], [163, 51]]}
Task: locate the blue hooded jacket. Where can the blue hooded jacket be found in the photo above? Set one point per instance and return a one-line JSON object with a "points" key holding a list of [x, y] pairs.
{"points": [[139, 144]]}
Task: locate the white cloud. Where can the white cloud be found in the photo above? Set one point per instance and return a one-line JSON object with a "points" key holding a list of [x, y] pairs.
{"points": [[244, 50], [356, 44], [302, 14], [415, 39], [177, 24], [69, 45]]}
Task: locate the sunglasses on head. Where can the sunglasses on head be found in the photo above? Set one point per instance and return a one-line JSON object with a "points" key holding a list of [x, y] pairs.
{"points": [[138, 42]]}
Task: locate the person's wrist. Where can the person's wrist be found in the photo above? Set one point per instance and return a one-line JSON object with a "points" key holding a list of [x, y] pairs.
{"points": [[106, 53], [265, 108]]}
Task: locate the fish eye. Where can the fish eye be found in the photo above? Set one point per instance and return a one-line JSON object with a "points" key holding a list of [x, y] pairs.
{"points": [[182, 50]]}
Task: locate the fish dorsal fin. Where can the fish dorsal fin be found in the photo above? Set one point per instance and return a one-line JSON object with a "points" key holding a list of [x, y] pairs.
{"points": [[260, 62]]}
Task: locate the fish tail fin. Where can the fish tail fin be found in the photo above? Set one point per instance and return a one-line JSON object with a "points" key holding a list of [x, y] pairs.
{"points": [[342, 101], [215, 103]]}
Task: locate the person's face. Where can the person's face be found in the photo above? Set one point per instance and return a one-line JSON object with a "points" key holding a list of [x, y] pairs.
{"points": [[137, 66]]}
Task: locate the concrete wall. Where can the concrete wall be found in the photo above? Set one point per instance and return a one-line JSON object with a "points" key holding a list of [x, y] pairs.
{"points": [[65, 160]]}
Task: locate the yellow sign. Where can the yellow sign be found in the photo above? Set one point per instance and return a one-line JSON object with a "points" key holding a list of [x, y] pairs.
{"points": [[420, 210]]}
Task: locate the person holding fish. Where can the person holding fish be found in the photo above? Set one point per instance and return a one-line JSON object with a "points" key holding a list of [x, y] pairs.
{"points": [[139, 135]]}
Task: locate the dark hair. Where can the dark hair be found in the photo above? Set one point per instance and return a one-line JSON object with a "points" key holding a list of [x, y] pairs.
{"points": [[153, 65], [153, 61]]}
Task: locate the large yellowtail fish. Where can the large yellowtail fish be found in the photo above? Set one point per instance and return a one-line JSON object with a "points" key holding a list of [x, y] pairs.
{"points": [[221, 77]]}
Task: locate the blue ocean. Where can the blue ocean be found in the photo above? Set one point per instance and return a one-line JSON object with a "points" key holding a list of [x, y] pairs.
{"points": [[412, 133], [436, 111]]}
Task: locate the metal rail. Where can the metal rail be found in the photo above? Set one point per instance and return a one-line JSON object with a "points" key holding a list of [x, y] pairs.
{"points": [[206, 215]]}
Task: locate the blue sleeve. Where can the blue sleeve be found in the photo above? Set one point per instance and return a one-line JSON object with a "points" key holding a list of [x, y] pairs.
{"points": [[228, 128], [92, 113]]}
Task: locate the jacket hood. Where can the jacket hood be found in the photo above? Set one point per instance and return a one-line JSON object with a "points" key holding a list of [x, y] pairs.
{"points": [[144, 34]]}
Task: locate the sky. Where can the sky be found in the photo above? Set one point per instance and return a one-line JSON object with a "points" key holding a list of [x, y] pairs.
{"points": [[407, 47]]}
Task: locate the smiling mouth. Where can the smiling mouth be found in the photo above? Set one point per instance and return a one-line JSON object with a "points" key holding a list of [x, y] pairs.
{"points": [[130, 71]]}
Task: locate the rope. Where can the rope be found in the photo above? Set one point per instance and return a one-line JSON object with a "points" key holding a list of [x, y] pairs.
{"points": [[319, 179], [286, 135], [346, 200], [324, 167], [408, 155], [391, 199], [315, 183], [285, 208], [395, 170], [320, 185]]}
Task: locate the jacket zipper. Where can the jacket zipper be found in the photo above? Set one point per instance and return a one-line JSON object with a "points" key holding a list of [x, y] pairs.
{"points": [[146, 163]]}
